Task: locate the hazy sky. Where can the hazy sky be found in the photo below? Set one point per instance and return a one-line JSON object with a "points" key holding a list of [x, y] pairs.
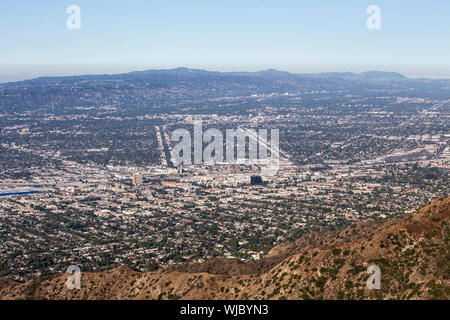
{"points": [[240, 35]]}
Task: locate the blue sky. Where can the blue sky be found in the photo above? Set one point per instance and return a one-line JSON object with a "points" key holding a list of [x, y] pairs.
{"points": [[239, 35]]}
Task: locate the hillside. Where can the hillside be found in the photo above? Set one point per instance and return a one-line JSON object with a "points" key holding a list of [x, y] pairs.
{"points": [[412, 252]]}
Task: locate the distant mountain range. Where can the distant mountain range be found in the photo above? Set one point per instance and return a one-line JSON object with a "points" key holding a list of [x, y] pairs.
{"points": [[165, 90], [268, 74], [412, 252], [368, 75]]}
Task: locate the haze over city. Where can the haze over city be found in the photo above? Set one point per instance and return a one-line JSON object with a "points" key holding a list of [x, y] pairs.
{"points": [[294, 36]]}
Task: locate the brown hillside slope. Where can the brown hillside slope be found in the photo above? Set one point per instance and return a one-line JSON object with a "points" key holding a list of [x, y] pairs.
{"points": [[282, 251], [412, 252]]}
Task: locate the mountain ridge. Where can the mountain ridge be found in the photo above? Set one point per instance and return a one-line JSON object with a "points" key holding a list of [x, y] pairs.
{"points": [[412, 252], [188, 72]]}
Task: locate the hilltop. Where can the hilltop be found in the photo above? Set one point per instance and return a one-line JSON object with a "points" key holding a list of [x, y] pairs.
{"points": [[412, 252]]}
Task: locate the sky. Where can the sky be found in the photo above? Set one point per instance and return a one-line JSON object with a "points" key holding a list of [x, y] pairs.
{"points": [[223, 35]]}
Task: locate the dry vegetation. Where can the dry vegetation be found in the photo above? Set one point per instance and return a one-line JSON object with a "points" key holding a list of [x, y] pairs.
{"points": [[412, 252]]}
